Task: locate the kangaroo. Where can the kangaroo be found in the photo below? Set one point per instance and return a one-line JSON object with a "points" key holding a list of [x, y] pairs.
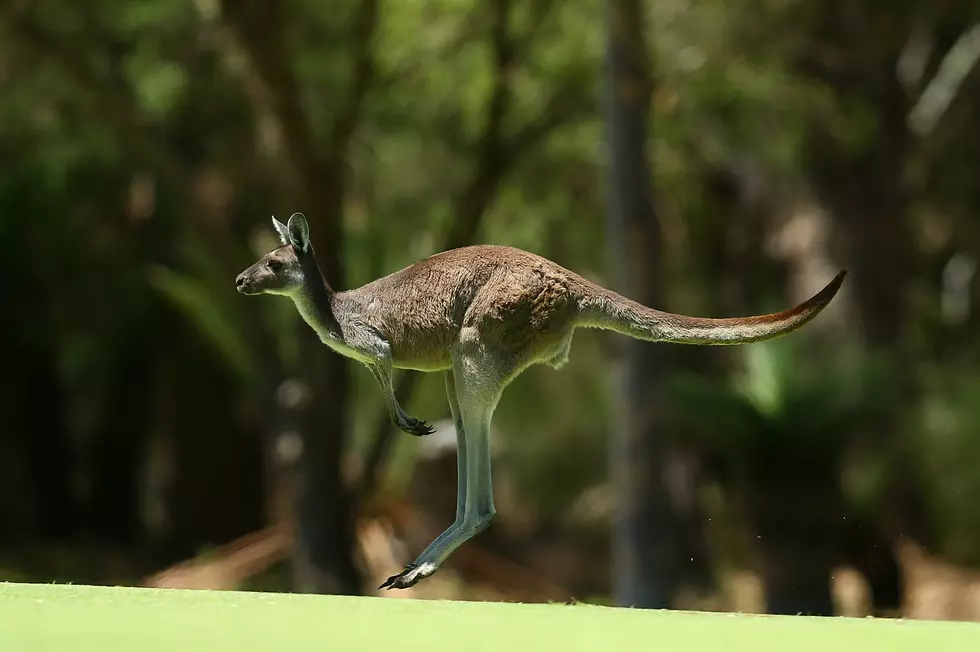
{"points": [[480, 314]]}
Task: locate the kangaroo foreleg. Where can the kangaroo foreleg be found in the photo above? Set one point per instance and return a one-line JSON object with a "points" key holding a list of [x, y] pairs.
{"points": [[381, 370]]}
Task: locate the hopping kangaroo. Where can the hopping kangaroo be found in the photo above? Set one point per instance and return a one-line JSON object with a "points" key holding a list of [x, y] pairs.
{"points": [[482, 315]]}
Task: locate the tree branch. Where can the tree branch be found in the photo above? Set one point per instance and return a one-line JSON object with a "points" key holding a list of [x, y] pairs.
{"points": [[539, 11], [363, 73], [418, 65], [470, 205], [258, 29], [315, 177], [496, 156], [473, 202], [564, 107], [108, 94]]}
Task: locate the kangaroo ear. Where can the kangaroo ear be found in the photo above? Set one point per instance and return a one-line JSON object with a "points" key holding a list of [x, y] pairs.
{"points": [[281, 230], [299, 232]]}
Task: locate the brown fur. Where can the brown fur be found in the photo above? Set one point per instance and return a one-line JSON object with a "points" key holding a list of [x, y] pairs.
{"points": [[525, 307], [522, 303], [483, 314]]}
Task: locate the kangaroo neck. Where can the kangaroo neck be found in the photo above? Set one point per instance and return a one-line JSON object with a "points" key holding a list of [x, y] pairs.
{"points": [[315, 304]]}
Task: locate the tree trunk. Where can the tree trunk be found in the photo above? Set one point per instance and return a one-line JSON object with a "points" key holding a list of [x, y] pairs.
{"points": [[324, 561], [114, 508], [216, 494], [49, 447], [644, 548], [866, 195], [311, 177], [799, 530], [865, 188]]}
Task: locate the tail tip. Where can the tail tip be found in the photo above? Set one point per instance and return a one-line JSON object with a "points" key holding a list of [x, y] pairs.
{"points": [[831, 290]]}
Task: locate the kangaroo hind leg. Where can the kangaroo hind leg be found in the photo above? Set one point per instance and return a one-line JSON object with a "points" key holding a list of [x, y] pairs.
{"points": [[478, 390]]}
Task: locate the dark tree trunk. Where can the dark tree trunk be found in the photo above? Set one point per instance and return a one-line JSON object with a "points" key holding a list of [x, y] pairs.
{"points": [[49, 448], [325, 553], [865, 188], [216, 495], [865, 192], [34, 413], [863, 182], [311, 177], [799, 530], [114, 507], [645, 551], [324, 560]]}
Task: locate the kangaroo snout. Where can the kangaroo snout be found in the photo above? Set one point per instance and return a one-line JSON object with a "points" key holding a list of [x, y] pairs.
{"points": [[240, 281]]}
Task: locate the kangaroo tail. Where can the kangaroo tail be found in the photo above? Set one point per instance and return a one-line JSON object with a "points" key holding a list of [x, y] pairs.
{"points": [[612, 311]]}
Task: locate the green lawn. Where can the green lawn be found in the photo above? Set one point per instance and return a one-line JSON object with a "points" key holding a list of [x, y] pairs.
{"points": [[36, 618]]}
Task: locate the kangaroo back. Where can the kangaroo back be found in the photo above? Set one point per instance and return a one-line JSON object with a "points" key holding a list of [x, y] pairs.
{"points": [[611, 311]]}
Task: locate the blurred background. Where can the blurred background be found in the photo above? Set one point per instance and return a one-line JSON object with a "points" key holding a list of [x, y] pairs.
{"points": [[158, 429]]}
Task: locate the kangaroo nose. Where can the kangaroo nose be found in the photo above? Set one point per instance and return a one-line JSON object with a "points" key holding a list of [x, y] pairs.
{"points": [[239, 280]]}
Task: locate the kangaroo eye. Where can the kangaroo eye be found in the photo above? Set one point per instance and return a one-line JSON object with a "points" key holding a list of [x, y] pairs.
{"points": [[275, 265]]}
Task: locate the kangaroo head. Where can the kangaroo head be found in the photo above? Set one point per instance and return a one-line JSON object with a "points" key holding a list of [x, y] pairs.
{"points": [[285, 269]]}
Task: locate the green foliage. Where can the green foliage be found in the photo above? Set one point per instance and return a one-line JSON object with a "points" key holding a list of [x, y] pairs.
{"points": [[198, 304], [945, 436], [141, 164], [791, 414]]}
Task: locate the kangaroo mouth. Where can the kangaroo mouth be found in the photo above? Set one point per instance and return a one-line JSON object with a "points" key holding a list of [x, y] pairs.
{"points": [[244, 286]]}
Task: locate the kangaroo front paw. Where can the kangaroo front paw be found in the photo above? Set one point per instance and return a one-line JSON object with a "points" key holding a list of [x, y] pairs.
{"points": [[412, 574], [415, 427]]}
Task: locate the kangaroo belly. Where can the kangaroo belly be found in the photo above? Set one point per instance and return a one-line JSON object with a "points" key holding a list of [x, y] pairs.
{"points": [[424, 364], [421, 349], [424, 347]]}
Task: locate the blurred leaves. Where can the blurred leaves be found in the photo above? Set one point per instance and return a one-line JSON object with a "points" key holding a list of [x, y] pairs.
{"points": [[97, 95], [786, 414], [198, 304], [946, 438]]}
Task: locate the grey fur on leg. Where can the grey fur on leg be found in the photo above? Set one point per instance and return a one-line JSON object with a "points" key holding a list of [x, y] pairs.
{"points": [[477, 401], [460, 470], [460, 444], [381, 370]]}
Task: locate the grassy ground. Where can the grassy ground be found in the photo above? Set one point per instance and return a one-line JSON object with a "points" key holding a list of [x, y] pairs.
{"points": [[37, 618]]}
